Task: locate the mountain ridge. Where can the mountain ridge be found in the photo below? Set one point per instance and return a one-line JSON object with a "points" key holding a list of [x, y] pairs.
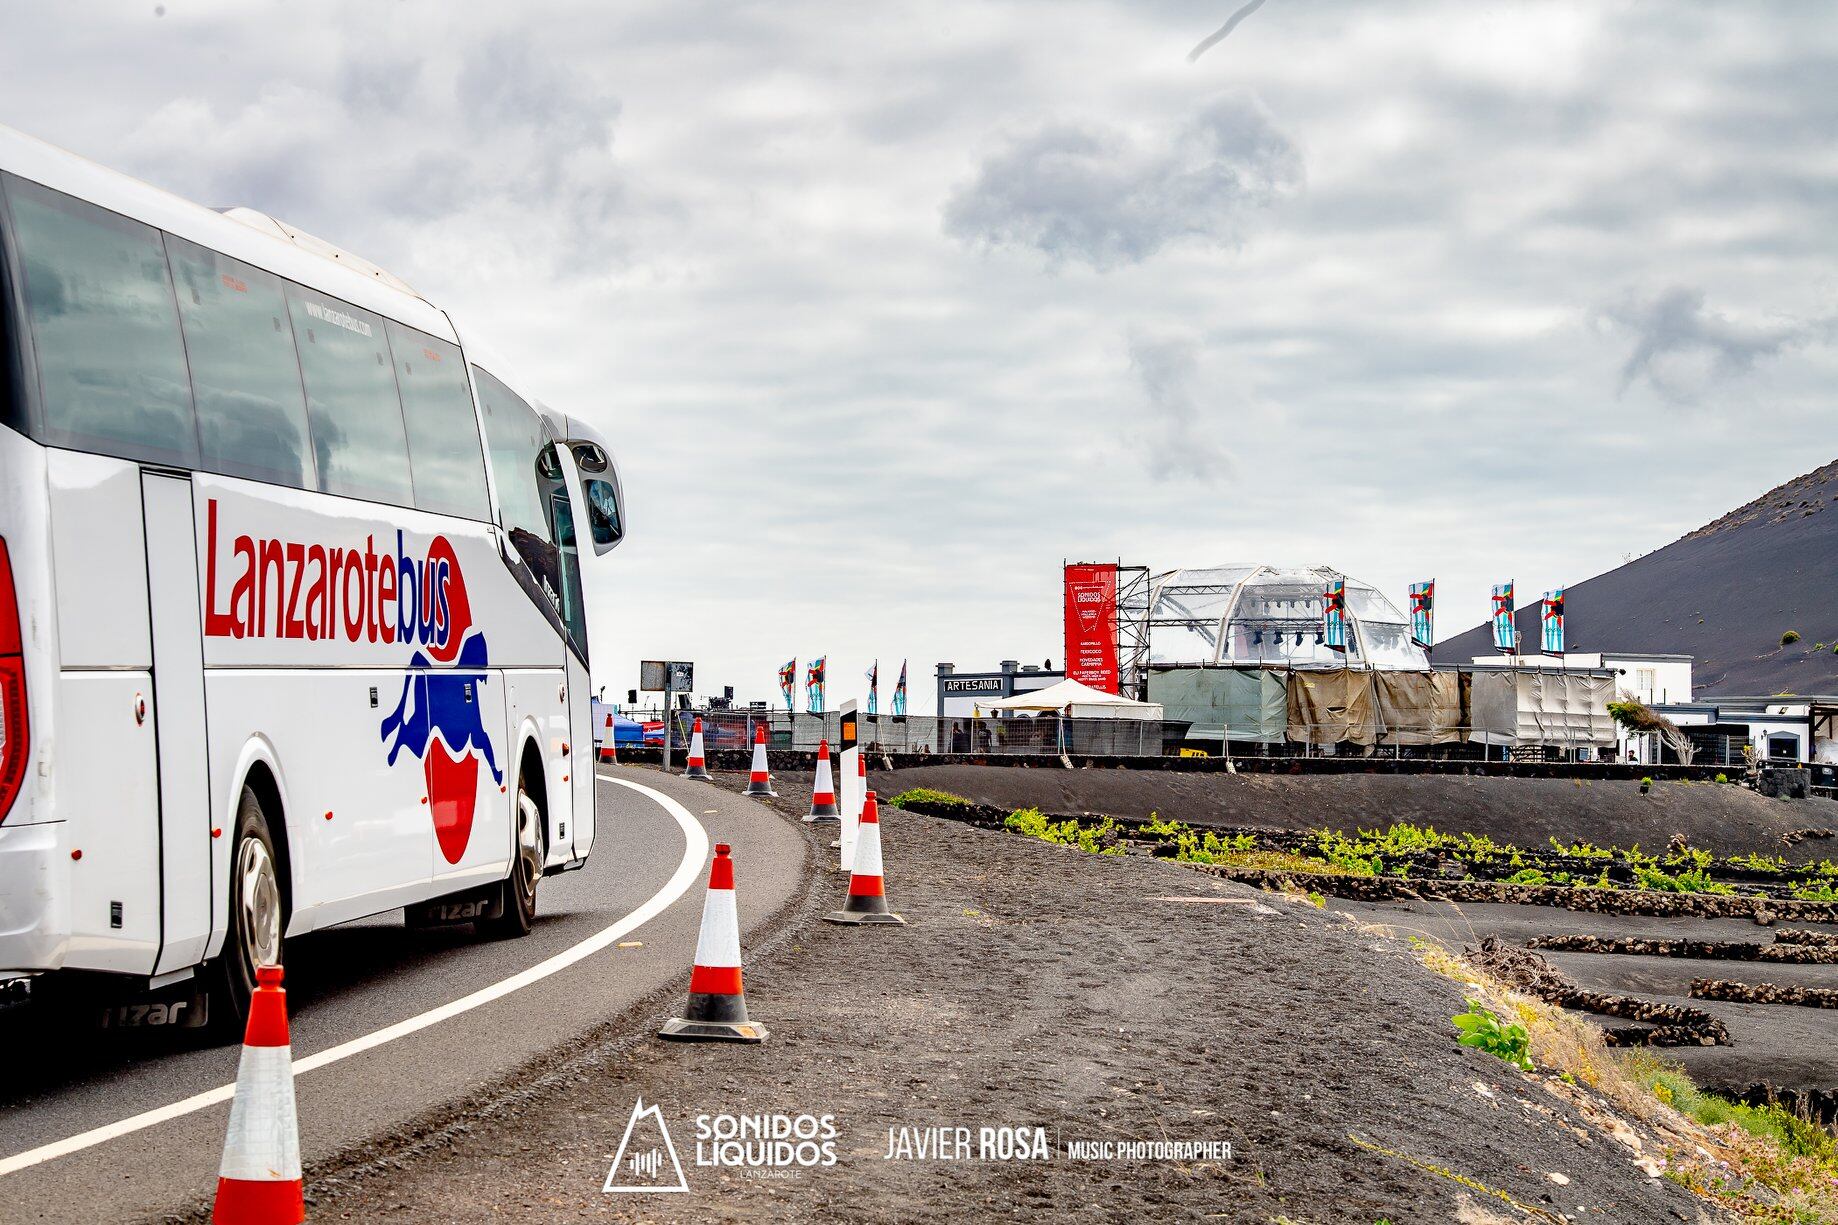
{"points": [[1725, 593]]}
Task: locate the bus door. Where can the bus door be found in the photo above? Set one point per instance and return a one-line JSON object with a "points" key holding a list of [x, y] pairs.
{"points": [[562, 500], [596, 517], [178, 714]]}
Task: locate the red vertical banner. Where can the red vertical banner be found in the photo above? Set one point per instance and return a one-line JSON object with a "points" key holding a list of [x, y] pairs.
{"points": [[1091, 625]]}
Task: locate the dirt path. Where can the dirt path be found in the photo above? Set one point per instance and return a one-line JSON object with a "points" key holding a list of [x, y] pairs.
{"points": [[1095, 999]]}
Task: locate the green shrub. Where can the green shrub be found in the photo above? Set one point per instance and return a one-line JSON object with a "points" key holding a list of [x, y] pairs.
{"points": [[927, 795], [1722, 777], [1159, 828], [1099, 839], [1484, 1031], [1790, 637]]}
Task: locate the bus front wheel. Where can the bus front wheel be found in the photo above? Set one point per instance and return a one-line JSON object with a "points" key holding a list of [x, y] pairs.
{"points": [[255, 919], [519, 909]]}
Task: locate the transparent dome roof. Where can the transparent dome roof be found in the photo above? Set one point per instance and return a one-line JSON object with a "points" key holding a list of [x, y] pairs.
{"points": [[1273, 615]]}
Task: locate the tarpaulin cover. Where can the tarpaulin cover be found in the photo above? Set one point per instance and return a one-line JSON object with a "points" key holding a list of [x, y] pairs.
{"points": [[1332, 707], [1419, 707], [1251, 703], [1555, 708]]}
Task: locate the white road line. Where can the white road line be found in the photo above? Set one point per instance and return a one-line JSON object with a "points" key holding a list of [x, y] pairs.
{"points": [[695, 854]]}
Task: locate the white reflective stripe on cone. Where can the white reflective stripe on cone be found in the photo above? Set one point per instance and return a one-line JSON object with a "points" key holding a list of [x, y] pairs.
{"points": [[825, 786], [719, 942], [868, 851], [263, 1142]]}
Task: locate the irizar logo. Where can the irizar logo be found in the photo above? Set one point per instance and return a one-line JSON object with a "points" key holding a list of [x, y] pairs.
{"points": [[638, 1165]]}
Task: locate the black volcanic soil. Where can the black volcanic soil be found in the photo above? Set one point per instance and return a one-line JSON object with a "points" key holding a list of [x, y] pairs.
{"points": [[1792, 1051], [1524, 811], [1096, 998]]}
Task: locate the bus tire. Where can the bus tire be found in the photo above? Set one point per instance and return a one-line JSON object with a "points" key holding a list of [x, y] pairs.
{"points": [[518, 913], [256, 920]]}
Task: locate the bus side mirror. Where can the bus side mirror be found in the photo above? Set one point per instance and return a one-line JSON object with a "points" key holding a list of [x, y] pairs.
{"points": [[605, 497]]}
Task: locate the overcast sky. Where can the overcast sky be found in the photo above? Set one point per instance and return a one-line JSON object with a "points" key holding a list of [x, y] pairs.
{"points": [[889, 309]]}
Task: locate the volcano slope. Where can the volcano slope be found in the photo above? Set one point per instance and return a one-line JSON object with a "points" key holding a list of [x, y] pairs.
{"points": [[1725, 594]]}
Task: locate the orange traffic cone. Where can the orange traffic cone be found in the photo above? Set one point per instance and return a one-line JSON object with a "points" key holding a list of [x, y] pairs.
{"points": [[259, 1181], [867, 892], [608, 754], [760, 782], [697, 768], [823, 791], [717, 1009]]}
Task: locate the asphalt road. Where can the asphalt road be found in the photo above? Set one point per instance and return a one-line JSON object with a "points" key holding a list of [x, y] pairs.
{"points": [[351, 981]]}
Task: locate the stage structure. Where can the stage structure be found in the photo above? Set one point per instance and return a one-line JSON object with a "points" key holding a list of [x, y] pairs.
{"points": [[1274, 615]]}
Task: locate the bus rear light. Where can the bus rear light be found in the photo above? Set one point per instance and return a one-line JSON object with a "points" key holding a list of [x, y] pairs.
{"points": [[15, 729]]}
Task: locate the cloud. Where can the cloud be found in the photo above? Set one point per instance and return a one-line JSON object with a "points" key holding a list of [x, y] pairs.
{"points": [[1680, 346], [723, 233], [1175, 436], [1096, 194], [369, 146]]}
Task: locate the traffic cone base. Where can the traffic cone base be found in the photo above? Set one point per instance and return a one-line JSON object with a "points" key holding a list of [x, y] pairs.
{"points": [[680, 1029], [852, 918], [717, 1009]]}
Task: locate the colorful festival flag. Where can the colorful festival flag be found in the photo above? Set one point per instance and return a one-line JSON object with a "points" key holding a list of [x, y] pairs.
{"points": [[1551, 617], [874, 688], [1423, 613], [1334, 615], [1505, 632], [788, 682], [899, 692], [813, 685]]}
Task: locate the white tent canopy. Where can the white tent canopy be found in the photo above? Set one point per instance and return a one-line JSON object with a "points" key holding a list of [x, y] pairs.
{"points": [[1079, 701]]}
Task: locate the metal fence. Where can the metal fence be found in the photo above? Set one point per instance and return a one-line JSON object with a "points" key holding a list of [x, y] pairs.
{"points": [[931, 734], [1050, 735]]}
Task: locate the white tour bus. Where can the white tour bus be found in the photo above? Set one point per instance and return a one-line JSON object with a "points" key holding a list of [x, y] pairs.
{"points": [[290, 600]]}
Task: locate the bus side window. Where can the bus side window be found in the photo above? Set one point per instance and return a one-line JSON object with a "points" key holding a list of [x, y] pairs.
{"points": [[105, 329], [443, 430], [358, 440], [520, 449], [574, 613], [244, 371]]}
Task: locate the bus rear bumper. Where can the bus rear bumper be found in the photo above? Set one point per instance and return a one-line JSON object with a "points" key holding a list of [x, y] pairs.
{"points": [[34, 919]]}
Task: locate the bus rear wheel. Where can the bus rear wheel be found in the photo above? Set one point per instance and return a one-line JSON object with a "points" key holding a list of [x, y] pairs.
{"points": [[255, 919], [519, 889]]}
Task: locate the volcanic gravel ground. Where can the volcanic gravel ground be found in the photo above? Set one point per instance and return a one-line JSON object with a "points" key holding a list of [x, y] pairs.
{"points": [[1097, 998], [1525, 811], [1791, 1049]]}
